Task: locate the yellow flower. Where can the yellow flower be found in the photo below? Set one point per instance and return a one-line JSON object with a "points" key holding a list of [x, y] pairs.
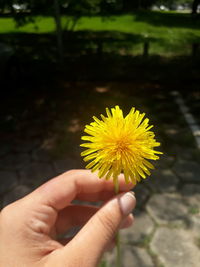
{"points": [[119, 144]]}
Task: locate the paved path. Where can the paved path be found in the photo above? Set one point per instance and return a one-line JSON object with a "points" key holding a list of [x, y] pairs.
{"points": [[167, 218]]}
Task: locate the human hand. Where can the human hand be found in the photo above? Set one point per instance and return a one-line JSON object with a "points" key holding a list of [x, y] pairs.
{"points": [[29, 227]]}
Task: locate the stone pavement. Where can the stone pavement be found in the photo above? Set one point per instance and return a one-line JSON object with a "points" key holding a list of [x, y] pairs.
{"points": [[166, 232]]}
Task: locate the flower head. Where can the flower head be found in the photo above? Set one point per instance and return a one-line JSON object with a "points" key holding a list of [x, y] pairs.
{"points": [[120, 144]]}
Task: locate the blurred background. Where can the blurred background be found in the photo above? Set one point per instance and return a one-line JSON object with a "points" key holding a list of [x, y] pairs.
{"points": [[62, 61]]}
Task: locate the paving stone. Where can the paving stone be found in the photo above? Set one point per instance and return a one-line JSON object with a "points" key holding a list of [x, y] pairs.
{"points": [[172, 131], [41, 155], [142, 194], [163, 180], [134, 256], [191, 194], [165, 161], [194, 223], [66, 164], [25, 146], [36, 173], [186, 153], [190, 189], [17, 193], [140, 231], [131, 256], [8, 179], [191, 198], [175, 247], [180, 135], [14, 161], [167, 208], [4, 149], [188, 171], [76, 150]]}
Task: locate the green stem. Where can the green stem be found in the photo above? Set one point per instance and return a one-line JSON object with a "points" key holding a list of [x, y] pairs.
{"points": [[116, 183], [118, 255]]}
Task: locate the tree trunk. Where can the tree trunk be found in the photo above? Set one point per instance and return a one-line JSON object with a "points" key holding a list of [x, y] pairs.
{"points": [[195, 6], [146, 49], [57, 18]]}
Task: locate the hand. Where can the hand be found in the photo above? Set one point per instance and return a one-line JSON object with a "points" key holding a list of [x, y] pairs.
{"points": [[29, 227]]}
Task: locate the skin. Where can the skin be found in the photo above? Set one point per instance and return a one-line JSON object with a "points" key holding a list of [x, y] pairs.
{"points": [[29, 227]]}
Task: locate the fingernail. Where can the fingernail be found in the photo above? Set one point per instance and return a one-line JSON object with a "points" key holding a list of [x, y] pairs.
{"points": [[127, 203]]}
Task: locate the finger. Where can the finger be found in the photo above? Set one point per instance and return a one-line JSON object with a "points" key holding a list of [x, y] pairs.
{"points": [[109, 247], [73, 215], [78, 215], [127, 222], [101, 228], [60, 191], [98, 196]]}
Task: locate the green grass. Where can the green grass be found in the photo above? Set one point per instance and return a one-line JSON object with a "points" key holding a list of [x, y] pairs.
{"points": [[166, 31], [194, 210], [165, 34], [41, 25]]}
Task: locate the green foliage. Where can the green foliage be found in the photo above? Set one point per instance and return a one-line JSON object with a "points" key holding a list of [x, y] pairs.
{"points": [[170, 3], [169, 33], [83, 7], [103, 263], [46, 8], [194, 209]]}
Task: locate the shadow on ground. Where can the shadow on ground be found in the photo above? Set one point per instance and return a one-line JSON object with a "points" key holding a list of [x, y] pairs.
{"points": [[178, 20], [53, 103]]}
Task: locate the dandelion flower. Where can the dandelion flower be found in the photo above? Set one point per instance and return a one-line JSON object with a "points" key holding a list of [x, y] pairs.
{"points": [[119, 144]]}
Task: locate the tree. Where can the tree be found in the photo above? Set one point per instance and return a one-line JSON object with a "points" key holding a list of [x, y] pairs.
{"points": [[131, 5], [195, 6], [57, 18], [54, 8]]}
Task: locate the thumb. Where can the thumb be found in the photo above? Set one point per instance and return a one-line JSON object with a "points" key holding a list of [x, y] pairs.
{"points": [[93, 238]]}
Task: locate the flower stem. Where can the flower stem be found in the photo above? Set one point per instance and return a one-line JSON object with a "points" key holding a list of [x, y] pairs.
{"points": [[116, 183], [118, 255]]}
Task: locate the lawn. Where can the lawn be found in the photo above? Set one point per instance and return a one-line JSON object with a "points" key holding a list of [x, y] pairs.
{"points": [[168, 32]]}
